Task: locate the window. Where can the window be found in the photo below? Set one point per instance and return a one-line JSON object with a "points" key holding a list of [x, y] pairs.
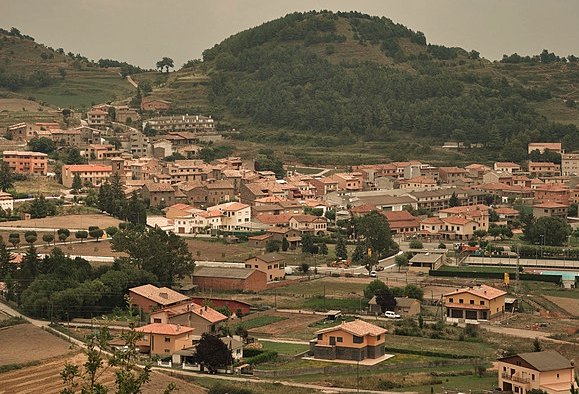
{"points": [[167, 339], [482, 302], [320, 337], [460, 301], [472, 302], [156, 320], [167, 350], [358, 339], [451, 300], [533, 377], [378, 337], [340, 339], [557, 376]]}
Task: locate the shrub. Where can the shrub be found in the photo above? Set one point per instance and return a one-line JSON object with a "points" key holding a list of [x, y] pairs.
{"points": [[262, 358]]}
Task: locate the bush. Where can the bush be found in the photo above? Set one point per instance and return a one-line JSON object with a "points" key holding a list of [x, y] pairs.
{"points": [[249, 352], [262, 358], [386, 385]]}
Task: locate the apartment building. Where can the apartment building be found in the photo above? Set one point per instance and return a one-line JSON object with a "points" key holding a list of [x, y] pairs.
{"points": [[197, 123], [94, 174], [25, 162]]}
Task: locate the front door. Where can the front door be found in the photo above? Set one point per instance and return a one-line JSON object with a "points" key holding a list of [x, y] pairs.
{"points": [[332, 341]]}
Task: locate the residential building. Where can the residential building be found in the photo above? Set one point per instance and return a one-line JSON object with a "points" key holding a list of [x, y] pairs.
{"points": [[150, 104], [507, 214], [543, 146], [202, 319], [237, 307], [451, 175], [550, 209], [229, 279], [450, 228], [420, 183], [21, 132], [494, 176], [236, 216], [478, 213], [405, 307], [127, 115], [435, 200], [6, 202], [158, 194], [477, 170], [383, 202], [219, 192], [510, 167], [317, 225], [293, 236], [474, 303], [548, 371], [550, 192], [356, 340], [72, 137], [544, 169], [149, 297], [197, 123], [273, 264], [570, 164], [402, 222], [424, 262], [164, 339], [27, 163], [102, 152], [94, 174], [97, 119]]}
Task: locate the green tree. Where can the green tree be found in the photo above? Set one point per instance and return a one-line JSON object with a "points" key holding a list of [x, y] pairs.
{"points": [[284, 244], [413, 291], [14, 239], [374, 228], [6, 257], [385, 298], [415, 244], [341, 250], [552, 231], [30, 236], [6, 181], [63, 234], [40, 207], [453, 202], [165, 255], [41, 144], [308, 245], [165, 63], [76, 182], [212, 353], [96, 233], [323, 248], [537, 345], [304, 267], [81, 234], [272, 245], [48, 238], [359, 253], [373, 288], [401, 261], [111, 231]]}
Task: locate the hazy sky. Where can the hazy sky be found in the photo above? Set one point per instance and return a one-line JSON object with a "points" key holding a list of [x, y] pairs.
{"points": [[143, 31]]}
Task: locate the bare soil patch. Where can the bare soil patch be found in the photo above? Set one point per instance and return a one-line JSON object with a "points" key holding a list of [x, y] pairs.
{"points": [[68, 221], [294, 323], [46, 377], [25, 343], [101, 248], [17, 105], [217, 251], [571, 305]]}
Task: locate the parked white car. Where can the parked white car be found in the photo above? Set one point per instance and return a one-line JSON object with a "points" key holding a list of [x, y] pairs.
{"points": [[391, 315], [373, 274]]}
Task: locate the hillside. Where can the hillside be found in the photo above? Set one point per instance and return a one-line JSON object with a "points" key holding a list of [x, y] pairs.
{"points": [[31, 70]]}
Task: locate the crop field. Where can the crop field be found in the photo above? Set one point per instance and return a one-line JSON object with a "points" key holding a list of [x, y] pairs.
{"points": [[25, 343], [68, 221], [46, 378]]}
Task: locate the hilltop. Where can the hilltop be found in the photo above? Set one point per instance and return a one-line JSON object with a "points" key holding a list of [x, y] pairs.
{"points": [[345, 88]]}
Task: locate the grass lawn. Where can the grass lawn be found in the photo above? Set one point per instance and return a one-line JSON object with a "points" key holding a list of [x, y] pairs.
{"points": [[565, 293], [315, 287], [289, 349], [37, 186], [252, 387], [474, 268], [261, 321], [342, 304], [458, 383]]}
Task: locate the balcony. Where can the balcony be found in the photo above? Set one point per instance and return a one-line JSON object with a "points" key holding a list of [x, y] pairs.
{"points": [[515, 378]]}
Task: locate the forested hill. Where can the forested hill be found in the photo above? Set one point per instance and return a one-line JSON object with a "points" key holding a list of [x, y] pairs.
{"points": [[349, 75]]}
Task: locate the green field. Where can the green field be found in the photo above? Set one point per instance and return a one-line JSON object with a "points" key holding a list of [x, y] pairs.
{"points": [[290, 349]]}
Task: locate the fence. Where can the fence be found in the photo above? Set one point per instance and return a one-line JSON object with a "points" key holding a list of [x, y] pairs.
{"points": [[496, 275]]}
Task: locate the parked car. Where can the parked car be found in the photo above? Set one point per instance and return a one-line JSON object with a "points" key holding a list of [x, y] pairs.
{"points": [[373, 274], [391, 315]]}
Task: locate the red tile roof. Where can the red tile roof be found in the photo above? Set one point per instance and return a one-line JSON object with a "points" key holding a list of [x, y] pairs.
{"points": [[164, 329], [357, 327], [204, 312], [483, 291]]}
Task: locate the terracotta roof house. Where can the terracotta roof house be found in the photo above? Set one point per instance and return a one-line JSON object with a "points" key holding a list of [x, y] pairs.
{"points": [[202, 319], [158, 194], [474, 303], [273, 264], [402, 222], [149, 297], [356, 340], [229, 279], [548, 371], [164, 339]]}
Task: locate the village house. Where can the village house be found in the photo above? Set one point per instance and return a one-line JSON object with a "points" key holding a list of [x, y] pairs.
{"points": [[219, 192], [325, 185], [239, 308], [420, 183], [273, 264], [548, 371], [381, 201], [124, 114], [507, 215], [478, 213], [505, 191], [451, 228], [293, 236], [229, 279], [474, 303], [164, 339], [451, 175], [424, 262], [97, 119], [149, 297], [202, 319], [510, 167], [477, 170], [235, 215], [197, 123], [70, 137], [570, 164], [544, 146], [402, 222], [92, 174], [435, 200], [6, 202], [543, 169], [356, 340], [26, 163], [158, 194], [552, 193], [405, 307], [317, 225], [151, 104], [498, 177], [550, 209], [101, 152]]}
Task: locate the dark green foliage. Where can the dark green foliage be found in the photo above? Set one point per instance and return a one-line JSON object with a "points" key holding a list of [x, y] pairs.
{"points": [[81, 234], [551, 231], [41, 144], [40, 207], [284, 244], [111, 199], [212, 353], [385, 298], [165, 255], [373, 288], [263, 357], [5, 176], [341, 251], [272, 245], [63, 234], [265, 161], [76, 182], [374, 228]]}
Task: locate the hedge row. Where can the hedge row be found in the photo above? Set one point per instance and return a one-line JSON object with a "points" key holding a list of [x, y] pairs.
{"points": [[262, 358], [496, 275]]}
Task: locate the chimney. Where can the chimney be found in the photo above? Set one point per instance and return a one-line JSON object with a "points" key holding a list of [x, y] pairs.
{"points": [[164, 295], [205, 307], [201, 311], [178, 327]]}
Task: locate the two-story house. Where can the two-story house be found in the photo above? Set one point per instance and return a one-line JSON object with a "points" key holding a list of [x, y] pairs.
{"points": [[272, 264], [202, 319], [474, 303]]}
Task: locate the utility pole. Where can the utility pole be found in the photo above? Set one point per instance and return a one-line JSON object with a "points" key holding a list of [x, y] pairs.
{"points": [[517, 272]]}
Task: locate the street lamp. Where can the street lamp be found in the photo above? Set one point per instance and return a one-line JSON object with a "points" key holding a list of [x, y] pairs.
{"points": [[542, 238]]}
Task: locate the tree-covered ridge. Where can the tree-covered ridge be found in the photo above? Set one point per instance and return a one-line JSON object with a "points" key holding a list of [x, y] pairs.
{"points": [[274, 78]]}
